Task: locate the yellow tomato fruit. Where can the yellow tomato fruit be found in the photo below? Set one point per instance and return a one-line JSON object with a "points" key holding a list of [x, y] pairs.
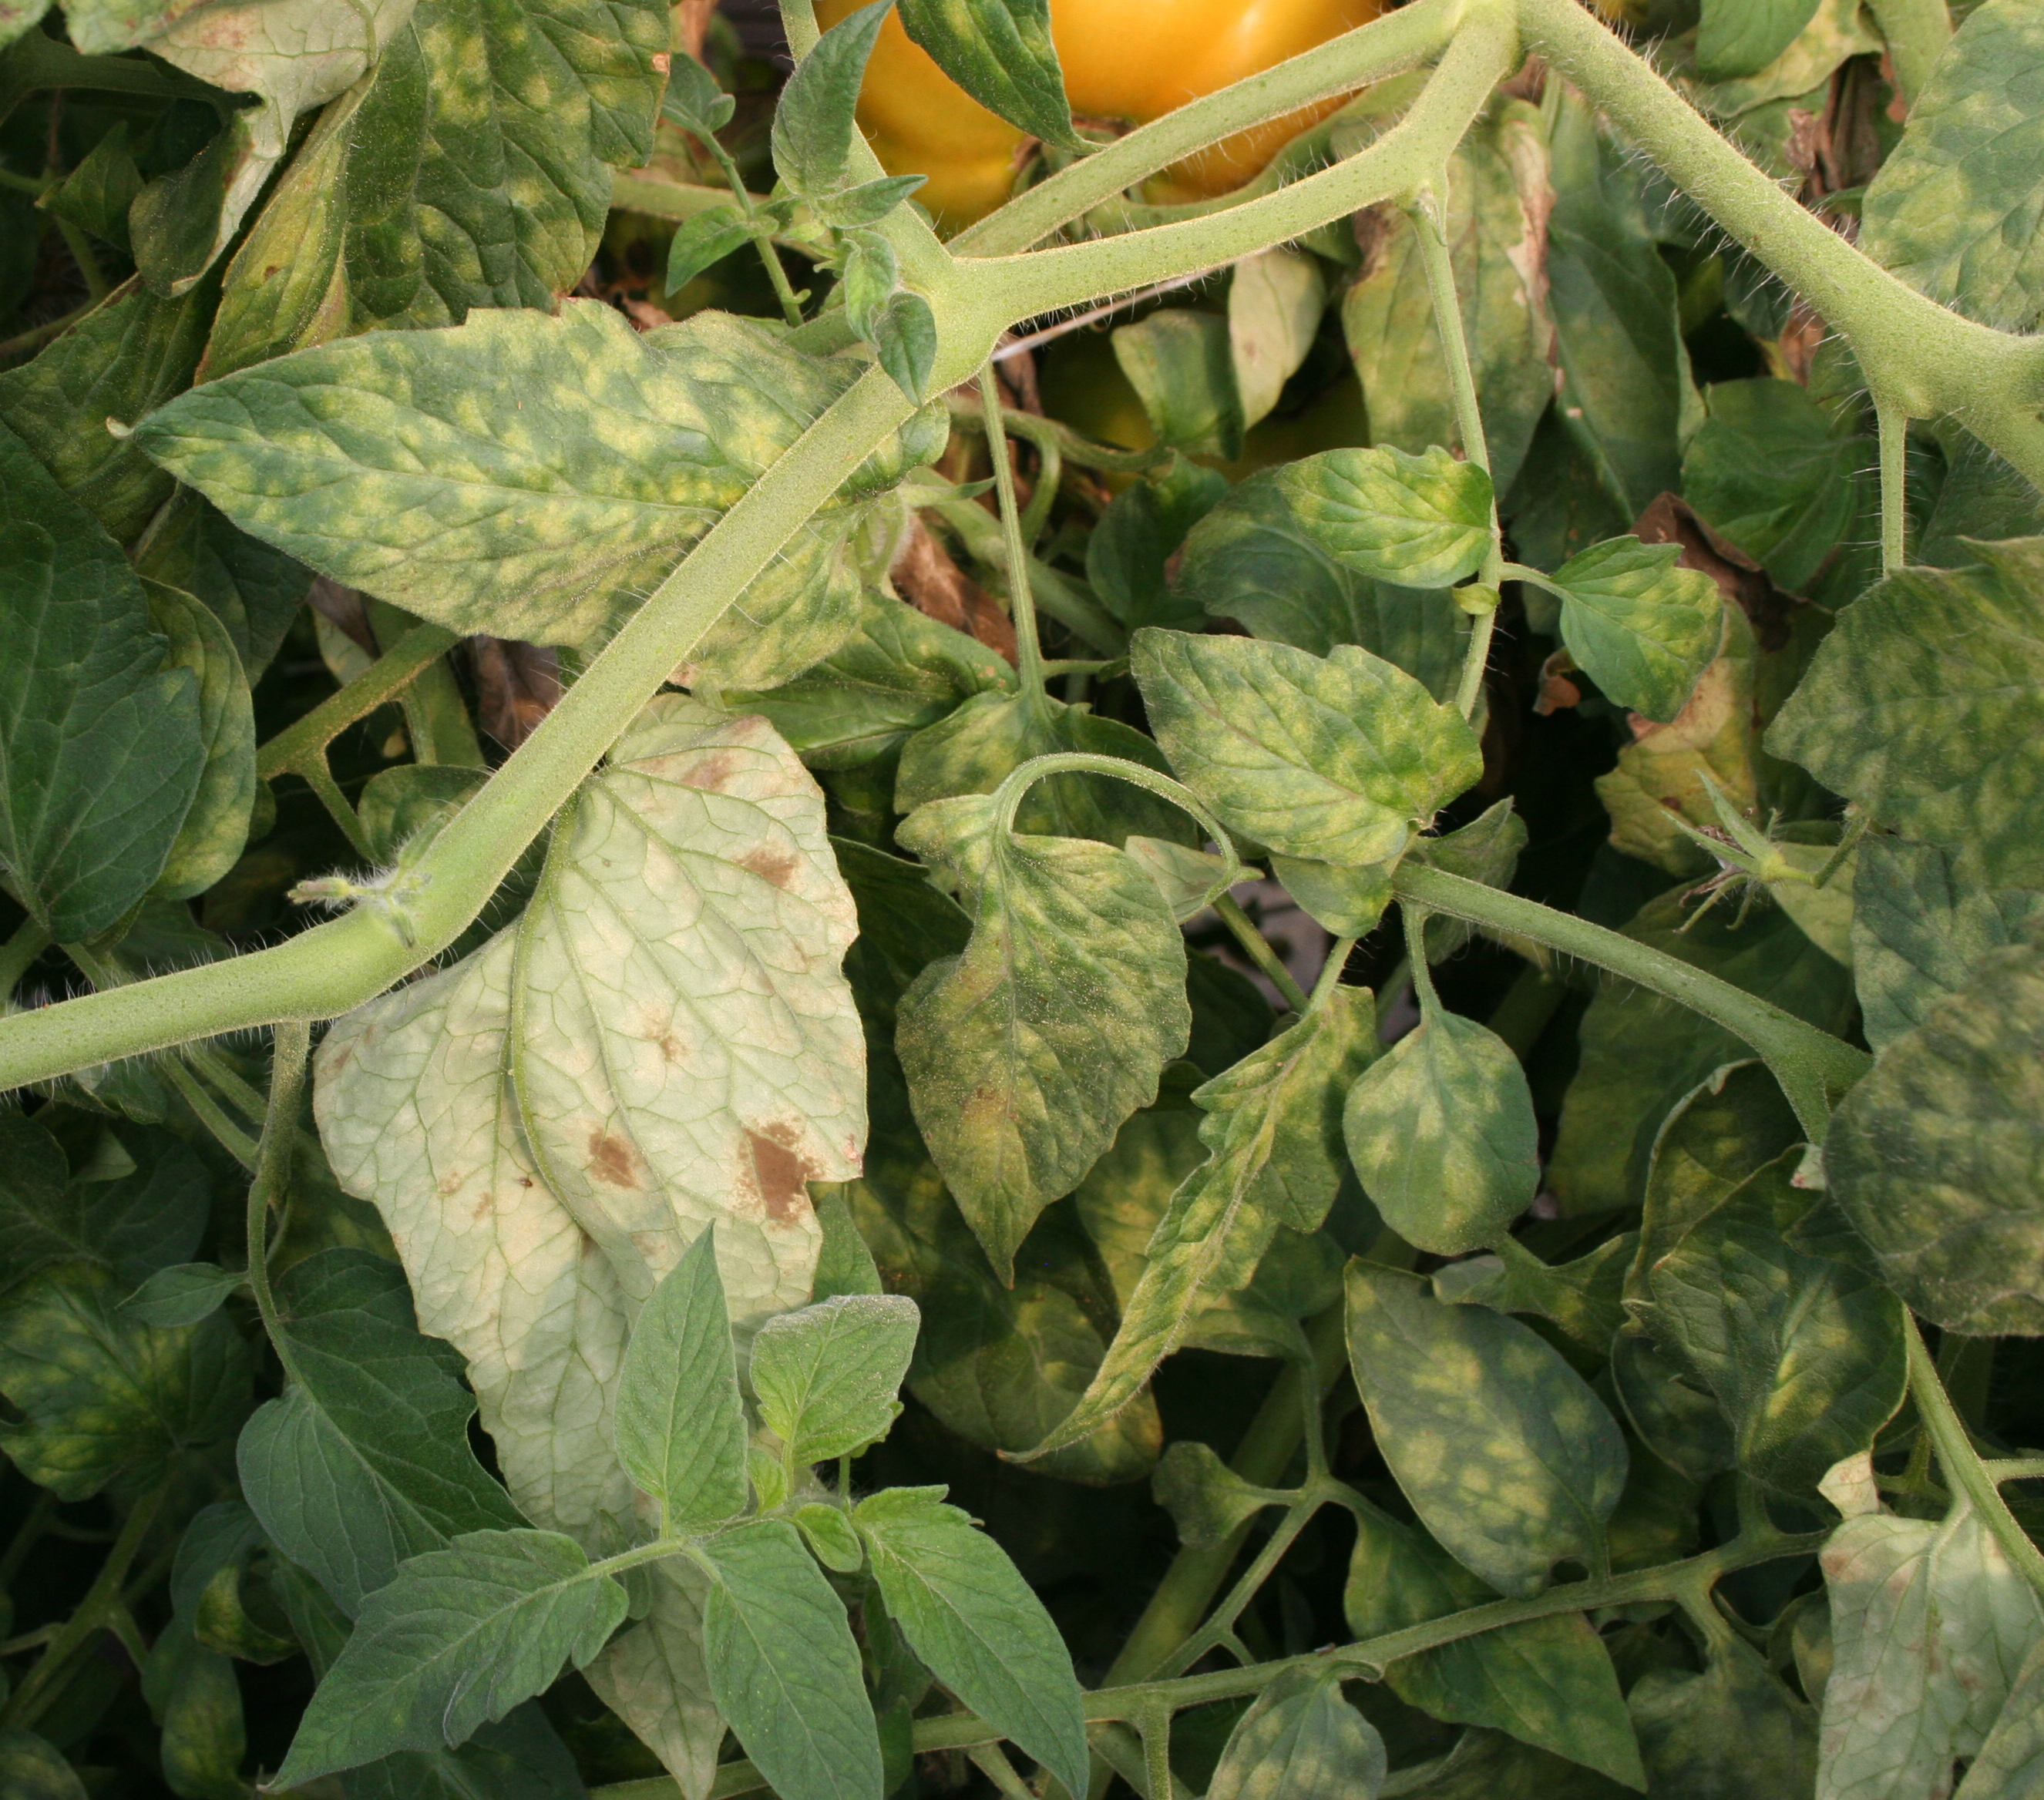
{"points": [[1129, 60]]}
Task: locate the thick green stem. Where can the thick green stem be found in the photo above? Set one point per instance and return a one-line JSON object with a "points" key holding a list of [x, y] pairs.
{"points": [[1894, 423], [1929, 360], [1962, 1465], [293, 749], [1917, 32], [1812, 1066], [1022, 608]]}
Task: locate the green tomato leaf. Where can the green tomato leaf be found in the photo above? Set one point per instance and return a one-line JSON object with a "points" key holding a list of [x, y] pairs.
{"points": [[688, 1107], [1300, 1741], [255, 591], [783, 1668], [680, 1424], [365, 1460], [193, 1690], [1642, 628], [209, 841], [1733, 1728], [1805, 1354], [2011, 1762], [1420, 521], [813, 122], [1182, 366], [459, 1638], [1955, 209], [701, 241], [831, 1538], [1253, 559], [528, 511], [102, 1398], [1504, 1452], [1441, 1130], [1272, 1133], [1582, 1297], [1334, 760], [1922, 919], [694, 100], [972, 1619], [134, 1224], [33, 1769], [1925, 705], [1930, 1623], [826, 1375], [1025, 1053], [1548, 1681], [1129, 552], [1001, 52], [851, 208], [1740, 38], [1932, 1156], [905, 339], [1778, 474], [1208, 1501], [1274, 304], [183, 1294], [102, 747]]}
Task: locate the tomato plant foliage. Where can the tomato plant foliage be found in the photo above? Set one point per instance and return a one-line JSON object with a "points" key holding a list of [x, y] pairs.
{"points": [[1230, 989]]}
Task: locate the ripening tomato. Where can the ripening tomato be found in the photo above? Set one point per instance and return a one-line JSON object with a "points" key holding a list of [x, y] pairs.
{"points": [[1127, 60]]}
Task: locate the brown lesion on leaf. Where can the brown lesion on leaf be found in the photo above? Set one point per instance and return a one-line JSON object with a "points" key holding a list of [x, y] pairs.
{"points": [[714, 772], [780, 1173], [775, 866], [611, 1159]]}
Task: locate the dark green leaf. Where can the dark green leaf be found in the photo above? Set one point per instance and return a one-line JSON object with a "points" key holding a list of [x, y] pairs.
{"points": [[1334, 760], [1642, 628], [459, 1637], [134, 1223], [183, 1294], [813, 123], [1301, 1740], [97, 193], [680, 1425], [1805, 1354], [905, 338], [1504, 1452], [100, 745], [1548, 1681], [1180, 363], [103, 1397], [707, 238], [694, 100], [1001, 52], [1925, 704], [1254, 560], [1740, 38], [192, 1691], [1441, 1130], [33, 1768], [1141, 529], [1954, 210], [826, 1375], [1024, 1054], [783, 1668], [972, 1619], [216, 826], [365, 1460], [1933, 1156], [1678, 1421], [1419, 521], [255, 591], [1733, 1730]]}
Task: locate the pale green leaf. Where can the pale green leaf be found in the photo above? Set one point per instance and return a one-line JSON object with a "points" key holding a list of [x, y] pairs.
{"points": [[680, 1425], [1301, 1740], [101, 748], [1957, 208], [1347, 902], [1642, 628], [461, 1636], [1025, 1053], [693, 876], [826, 1375], [1001, 52], [972, 1619], [1933, 1156], [2010, 1763], [784, 1667], [1498, 200], [1486, 850], [1252, 558], [1504, 1452], [1582, 1297], [1925, 704], [365, 1460], [1333, 760], [830, 1538], [1548, 1681], [1208, 1501], [582, 462], [812, 122], [1733, 1729], [1181, 365], [1419, 521], [101, 1398], [1929, 1624], [1272, 1136], [1441, 1130], [215, 826], [1804, 1353], [1922, 918], [1274, 304]]}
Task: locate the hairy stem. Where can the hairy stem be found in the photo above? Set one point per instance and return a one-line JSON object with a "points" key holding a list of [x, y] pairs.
{"points": [[273, 1169], [1257, 947], [1812, 1066], [1022, 608], [1962, 1465], [293, 750], [1894, 423]]}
